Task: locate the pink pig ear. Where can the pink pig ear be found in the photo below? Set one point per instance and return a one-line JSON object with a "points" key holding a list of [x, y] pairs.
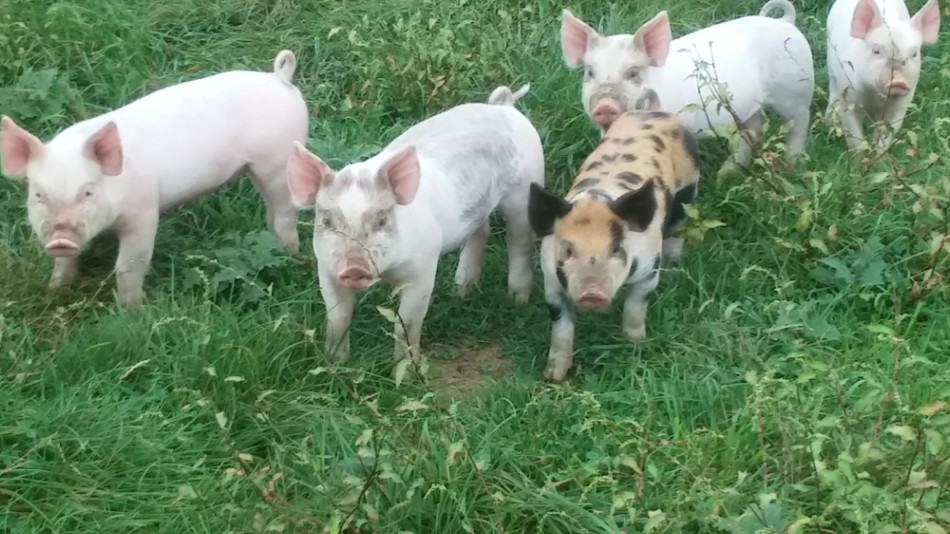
{"points": [[927, 20], [866, 17], [402, 171], [576, 37], [654, 38], [105, 148], [19, 147], [305, 174]]}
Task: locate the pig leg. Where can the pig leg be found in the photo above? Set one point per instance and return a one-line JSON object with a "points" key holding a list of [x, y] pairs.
{"points": [[635, 307], [520, 240], [271, 181], [136, 243], [65, 271], [561, 351], [894, 112], [413, 305], [338, 302], [750, 138], [848, 113], [470, 261]]}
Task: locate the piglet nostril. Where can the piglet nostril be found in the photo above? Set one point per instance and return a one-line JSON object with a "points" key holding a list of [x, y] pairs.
{"points": [[606, 112]]}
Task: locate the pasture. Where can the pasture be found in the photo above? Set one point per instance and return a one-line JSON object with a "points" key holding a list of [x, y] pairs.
{"points": [[796, 376]]}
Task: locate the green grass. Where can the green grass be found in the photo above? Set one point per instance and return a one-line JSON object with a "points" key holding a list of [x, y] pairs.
{"points": [[788, 362]]}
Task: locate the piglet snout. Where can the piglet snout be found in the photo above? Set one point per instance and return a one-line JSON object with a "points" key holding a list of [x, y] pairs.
{"points": [[62, 247], [63, 241], [606, 112], [898, 86], [593, 299], [355, 273]]}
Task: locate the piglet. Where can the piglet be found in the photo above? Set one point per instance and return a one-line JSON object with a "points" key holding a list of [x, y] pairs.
{"points": [[765, 64], [618, 221], [119, 170], [427, 193], [874, 63]]}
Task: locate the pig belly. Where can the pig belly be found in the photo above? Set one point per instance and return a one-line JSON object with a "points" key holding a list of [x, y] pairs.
{"points": [[180, 188]]}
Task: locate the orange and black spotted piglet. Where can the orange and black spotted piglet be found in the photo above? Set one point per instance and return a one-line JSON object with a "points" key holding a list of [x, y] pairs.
{"points": [[615, 224]]}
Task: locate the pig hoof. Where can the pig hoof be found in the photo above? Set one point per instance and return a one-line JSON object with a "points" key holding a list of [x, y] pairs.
{"points": [[465, 288], [636, 334], [58, 283], [133, 302], [521, 295], [554, 372]]}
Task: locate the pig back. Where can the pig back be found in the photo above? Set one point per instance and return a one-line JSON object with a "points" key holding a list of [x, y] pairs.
{"points": [[193, 137], [471, 157]]}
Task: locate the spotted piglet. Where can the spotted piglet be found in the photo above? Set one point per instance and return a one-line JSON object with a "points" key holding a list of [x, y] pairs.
{"points": [[616, 223]]}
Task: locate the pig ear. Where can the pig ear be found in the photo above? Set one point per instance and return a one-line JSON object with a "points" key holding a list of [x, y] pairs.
{"points": [[866, 17], [636, 208], [403, 173], [105, 148], [305, 174], [576, 38], [654, 38], [19, 148], [544, 208], [927, 20]]}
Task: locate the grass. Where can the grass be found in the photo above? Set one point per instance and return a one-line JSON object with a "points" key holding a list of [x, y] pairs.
{"points": [[795, 378]]}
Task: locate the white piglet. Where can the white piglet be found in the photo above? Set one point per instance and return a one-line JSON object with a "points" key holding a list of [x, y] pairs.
{"points": [[119, 170], [427, 193], [765, 64], [874, 63]]}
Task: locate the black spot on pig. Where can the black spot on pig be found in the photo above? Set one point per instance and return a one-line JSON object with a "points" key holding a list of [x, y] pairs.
{"points": [[633, 269], [586, 183], [676, 215], [629, 158], [593, 165], [692, 148], [561, 277], [555, 311], [660, 145], [631, 178], [610, 158]]}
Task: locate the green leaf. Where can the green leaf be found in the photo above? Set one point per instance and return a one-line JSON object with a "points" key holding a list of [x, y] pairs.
{"points": [[818, 244], [388, 314], [655, 517], [934, 441], [905, 432], [932, 409], [881, 329], [412, 405], [186, 492], [842, 271], [402, 367]]}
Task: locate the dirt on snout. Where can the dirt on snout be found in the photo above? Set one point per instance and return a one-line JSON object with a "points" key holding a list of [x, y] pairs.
{"points": [[469, 373]]}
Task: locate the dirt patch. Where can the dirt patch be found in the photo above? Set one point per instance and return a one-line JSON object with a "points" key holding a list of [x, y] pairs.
{"points": [[469, 373]]}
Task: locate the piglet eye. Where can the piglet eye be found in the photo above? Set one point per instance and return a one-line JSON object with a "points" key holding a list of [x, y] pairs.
{"points": [[326, 221], [633, 74], [876, 51], [381, 222], [88, 194], [568, 250], [588, 72]]}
